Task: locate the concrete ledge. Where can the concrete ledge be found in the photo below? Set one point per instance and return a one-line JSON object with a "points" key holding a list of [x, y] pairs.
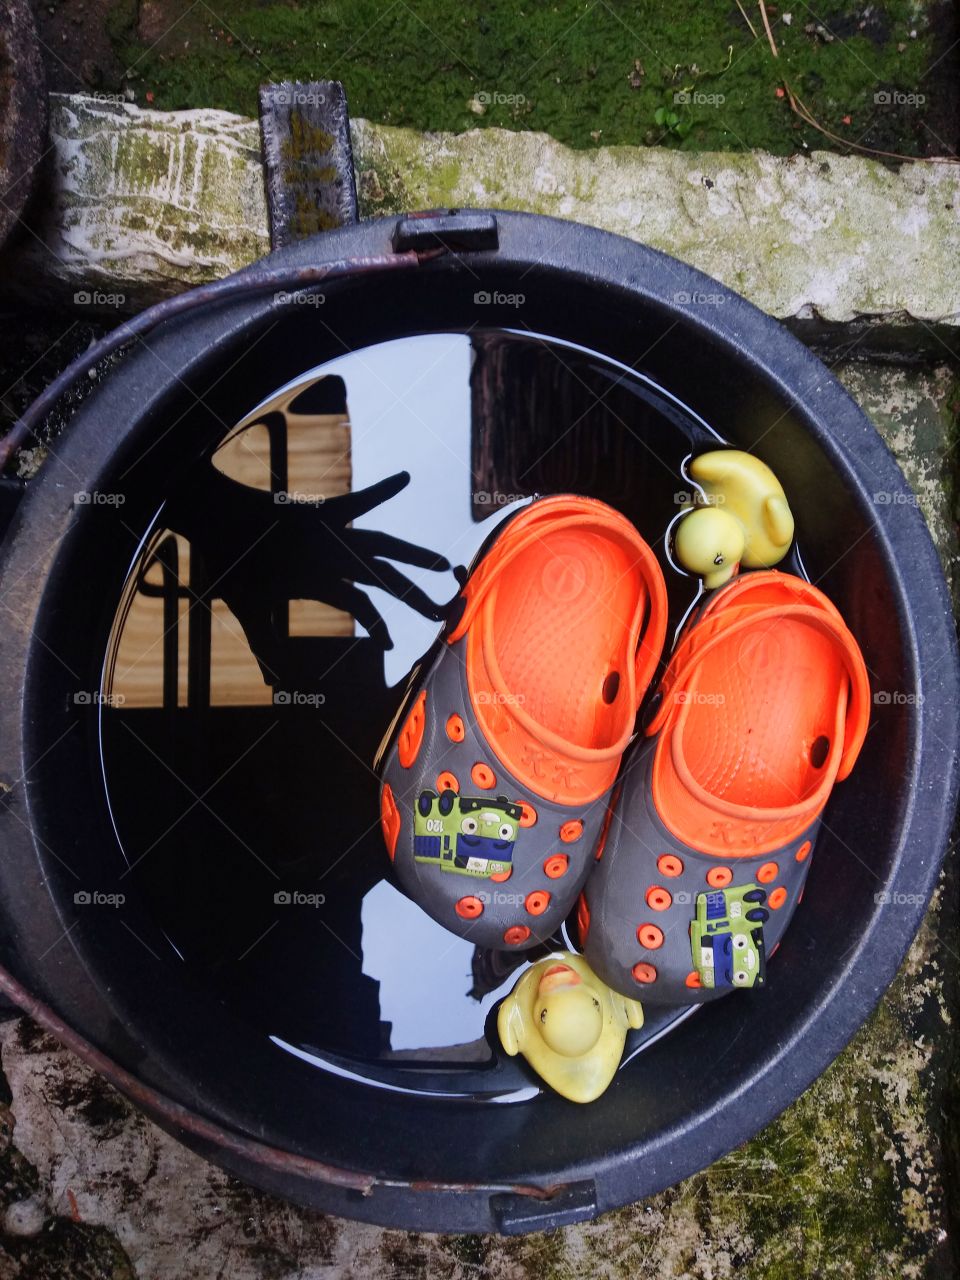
{"points": [[143, 203]]}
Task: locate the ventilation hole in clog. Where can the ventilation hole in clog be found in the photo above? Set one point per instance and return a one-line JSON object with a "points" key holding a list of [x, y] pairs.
{"points": [[819, 752], [611, 687]]}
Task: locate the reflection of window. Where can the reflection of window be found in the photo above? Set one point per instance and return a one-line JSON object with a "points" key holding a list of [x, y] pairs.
{"points": [[167, 650]]}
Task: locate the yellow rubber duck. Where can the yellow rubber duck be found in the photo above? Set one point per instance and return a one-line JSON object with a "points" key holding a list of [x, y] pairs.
{"points": [[743, 519], [568, 1025]]}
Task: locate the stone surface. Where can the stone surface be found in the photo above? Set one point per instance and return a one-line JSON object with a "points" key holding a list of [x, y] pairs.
{"points": [[143, 203], [858, 1179]]}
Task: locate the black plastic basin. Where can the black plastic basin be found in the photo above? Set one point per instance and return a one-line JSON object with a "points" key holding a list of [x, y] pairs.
{"points": [[120, 996]]}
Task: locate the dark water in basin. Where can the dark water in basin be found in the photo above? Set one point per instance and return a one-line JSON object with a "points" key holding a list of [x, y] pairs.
{"points": [[247, 811]]}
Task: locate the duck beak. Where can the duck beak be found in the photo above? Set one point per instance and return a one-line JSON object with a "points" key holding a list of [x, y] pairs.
{"points": [[558, 975]]}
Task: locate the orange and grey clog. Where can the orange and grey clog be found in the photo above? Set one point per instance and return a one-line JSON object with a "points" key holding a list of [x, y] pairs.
{"points": [[763, 707], [497, 772]]}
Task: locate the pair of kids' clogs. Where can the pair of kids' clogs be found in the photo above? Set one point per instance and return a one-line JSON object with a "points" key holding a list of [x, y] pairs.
{"points": [[509, 784]]}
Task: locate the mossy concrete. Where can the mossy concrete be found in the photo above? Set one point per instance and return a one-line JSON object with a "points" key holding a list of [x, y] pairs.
{"points": [[140, 204], [858, 1179]]}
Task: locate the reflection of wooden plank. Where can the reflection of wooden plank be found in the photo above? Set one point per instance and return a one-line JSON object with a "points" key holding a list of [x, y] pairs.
{"points": [[318, 465]]}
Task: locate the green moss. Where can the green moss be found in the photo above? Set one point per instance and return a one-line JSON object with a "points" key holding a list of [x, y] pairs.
{"points": [[584, 72]]}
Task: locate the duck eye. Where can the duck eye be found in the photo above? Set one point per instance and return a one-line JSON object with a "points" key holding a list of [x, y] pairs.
{"points": [[718, 559], [543, 1015], [596, 1003]]}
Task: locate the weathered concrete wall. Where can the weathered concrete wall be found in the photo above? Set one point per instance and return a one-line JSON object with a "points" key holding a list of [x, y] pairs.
{"points": [[143, 203]]}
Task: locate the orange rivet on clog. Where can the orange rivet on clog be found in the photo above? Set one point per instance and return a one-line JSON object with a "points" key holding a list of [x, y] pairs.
{"points": [[469, 908], [583, 918], [455, 730], [537, 902], [556, 866], [389, 819], [769, 871], [719, 877], [692, 980], [571, 831], [499, 876], [528, 814], [447, 782], [658, 899], [777, 898], [649, 936], [515, 934], [411, 735], [668, 864], [644, 973], [804, 851], [483, 776]]}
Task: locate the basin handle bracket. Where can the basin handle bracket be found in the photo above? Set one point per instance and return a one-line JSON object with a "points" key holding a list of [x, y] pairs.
{"points": [[516, 1214], [448, 229]]}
